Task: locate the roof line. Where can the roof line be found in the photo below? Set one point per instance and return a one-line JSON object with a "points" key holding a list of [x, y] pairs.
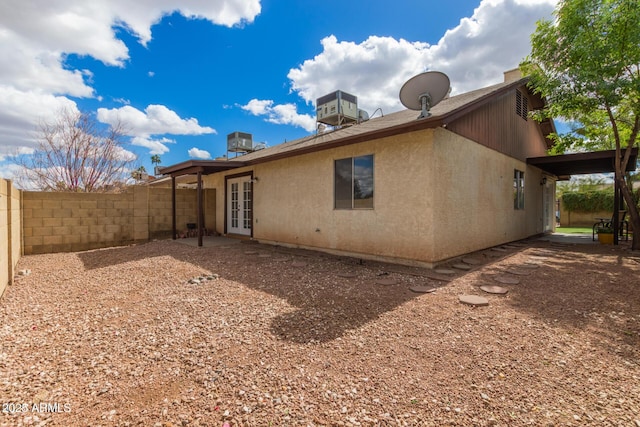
{"points": [[418, 124]]}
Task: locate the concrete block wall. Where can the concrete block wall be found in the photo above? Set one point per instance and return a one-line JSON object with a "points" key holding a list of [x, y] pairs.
{"points": [[10, 232], [580, 219], [69, 222], [160, 218], [64, 222]]}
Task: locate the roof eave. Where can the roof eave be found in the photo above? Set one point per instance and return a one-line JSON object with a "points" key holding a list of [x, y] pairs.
{"points": [[191, 167]]}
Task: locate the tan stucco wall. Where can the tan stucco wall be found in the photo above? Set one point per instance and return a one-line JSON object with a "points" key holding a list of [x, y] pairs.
{"points": [[10, 232], [432, 201], [64, 222], [293, 198], [475, 204]]}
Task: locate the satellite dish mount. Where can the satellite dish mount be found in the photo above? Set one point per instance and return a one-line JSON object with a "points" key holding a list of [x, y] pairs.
{"points": [[425, 103], [424, 91]]}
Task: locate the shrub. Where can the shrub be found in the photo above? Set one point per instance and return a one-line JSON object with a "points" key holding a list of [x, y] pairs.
{"points": [[589, 201]]}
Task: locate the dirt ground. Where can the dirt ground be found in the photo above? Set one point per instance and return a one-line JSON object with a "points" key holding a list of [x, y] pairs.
{"points": [[280, 337]]}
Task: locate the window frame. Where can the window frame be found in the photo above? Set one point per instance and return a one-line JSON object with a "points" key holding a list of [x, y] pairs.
{"points": [[339, 204], [518, 190]]}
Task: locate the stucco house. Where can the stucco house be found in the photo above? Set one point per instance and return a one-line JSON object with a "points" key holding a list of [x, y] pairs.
{"points": [[395, 188]]}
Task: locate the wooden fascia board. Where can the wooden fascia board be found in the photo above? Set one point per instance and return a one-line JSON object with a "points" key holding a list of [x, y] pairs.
{"points": [[205, 167], [188, 171]]}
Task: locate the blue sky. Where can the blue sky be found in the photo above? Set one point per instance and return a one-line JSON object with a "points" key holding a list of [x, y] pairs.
{"points": [[181, 75]]}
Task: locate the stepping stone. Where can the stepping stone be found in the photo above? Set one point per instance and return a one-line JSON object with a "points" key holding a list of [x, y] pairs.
{"points": [[386, 282], [444, 271], [473, 300], [543, 253], [492, 289], [462, 266], [439, 277], [530, 266], [518, 272], [422, 289], [471, 261], [348, 275], [298, 264], [507, 280]]}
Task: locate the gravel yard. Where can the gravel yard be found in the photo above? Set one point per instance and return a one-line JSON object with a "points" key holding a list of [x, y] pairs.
{"points": [[282, 337]]}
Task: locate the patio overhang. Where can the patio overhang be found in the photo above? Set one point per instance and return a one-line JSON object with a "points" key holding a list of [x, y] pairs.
{"points": [[203, 167], [198, 168], [563, 166]]}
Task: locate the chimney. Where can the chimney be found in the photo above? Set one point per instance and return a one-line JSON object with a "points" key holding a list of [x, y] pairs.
{"points": [[512, 75]]}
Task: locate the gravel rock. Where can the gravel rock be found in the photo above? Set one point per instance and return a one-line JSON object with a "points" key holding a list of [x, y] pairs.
{"points": [[118, 337]]}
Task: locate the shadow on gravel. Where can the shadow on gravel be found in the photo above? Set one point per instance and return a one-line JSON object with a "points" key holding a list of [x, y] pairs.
{"points": [[587, 287], [573, 289], [327, 305]]}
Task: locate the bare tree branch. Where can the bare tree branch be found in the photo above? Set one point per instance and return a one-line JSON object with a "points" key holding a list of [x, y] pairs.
{"points": [[76, 153]]}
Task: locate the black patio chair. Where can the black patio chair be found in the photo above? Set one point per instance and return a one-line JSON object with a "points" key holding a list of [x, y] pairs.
{"points": [[623, 229]]}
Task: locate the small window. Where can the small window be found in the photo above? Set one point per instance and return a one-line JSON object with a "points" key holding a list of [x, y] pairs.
{"points": [[522, 105], [518, 189], [353, 183]]}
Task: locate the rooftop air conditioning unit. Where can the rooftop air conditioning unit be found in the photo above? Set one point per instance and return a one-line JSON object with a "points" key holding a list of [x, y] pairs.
{"points": [[337, 108], [239, 142]]}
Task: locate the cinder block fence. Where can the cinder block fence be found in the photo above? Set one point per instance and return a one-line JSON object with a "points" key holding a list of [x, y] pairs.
{"points": [[45, 222], [10, 232]]}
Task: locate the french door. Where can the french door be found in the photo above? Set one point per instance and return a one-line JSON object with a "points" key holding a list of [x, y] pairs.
{"points": [[239, 205]]}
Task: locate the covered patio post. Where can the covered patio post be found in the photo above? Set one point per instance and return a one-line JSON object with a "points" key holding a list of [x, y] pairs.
{"points": [[200, 208], [173, 207]]}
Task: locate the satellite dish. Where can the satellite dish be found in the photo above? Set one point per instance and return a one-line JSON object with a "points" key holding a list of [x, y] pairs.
{"points": [[424, 91]]}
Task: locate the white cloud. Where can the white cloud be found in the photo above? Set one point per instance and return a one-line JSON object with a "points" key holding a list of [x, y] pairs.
{"points": [[474, 54], [124, 154], [286, 114], [36, 36], [155, 146], [495, 39], [155, 120], [21, 112], [196, 153], [14, 172]]}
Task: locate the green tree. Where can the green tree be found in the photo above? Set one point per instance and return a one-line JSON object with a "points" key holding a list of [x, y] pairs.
{"points": [[155, 160], [586, 63]]}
